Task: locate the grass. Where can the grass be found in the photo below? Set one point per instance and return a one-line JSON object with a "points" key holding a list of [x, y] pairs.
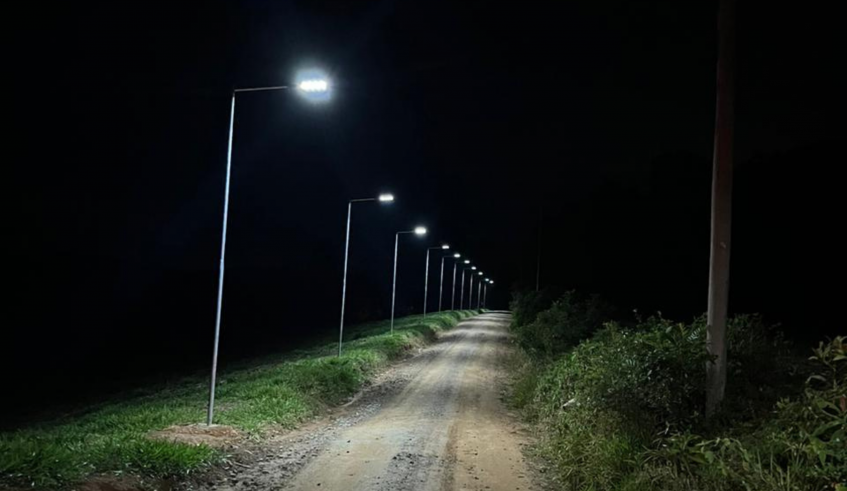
{"points": [[623, 408], [279, 391]]}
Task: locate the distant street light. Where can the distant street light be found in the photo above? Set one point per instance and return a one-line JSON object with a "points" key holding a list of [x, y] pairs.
{"points": [[420, 231], [316, 87], [462, 293], [479, 293], [426, 273], [485, 292], [470, 289], [441, 287], [382, 198], [456, 256]]}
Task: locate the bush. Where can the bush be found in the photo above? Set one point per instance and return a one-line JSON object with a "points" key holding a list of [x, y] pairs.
{"points": [[603, 403], [623, 409], [801, 446], [526, 305], [571, 319]]}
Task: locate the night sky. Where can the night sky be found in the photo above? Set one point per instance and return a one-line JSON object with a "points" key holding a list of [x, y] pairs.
{"points": [[476, 115]]}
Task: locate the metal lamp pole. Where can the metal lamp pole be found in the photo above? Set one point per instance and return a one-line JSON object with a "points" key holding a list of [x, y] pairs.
{"points": [[462, 293], [478, 293], [453, 295], [416, 231], [441, 283], [470, 293], [383, 198], [426, 274], [306, 85]]}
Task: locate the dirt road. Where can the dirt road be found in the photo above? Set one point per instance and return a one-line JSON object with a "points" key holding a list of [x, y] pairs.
{"points": [[434, 422]]}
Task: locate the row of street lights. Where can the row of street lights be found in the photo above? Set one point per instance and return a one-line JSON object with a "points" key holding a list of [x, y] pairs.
{"points": [[316, 87]]}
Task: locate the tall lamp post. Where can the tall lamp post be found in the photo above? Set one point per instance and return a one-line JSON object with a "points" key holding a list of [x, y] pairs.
{"points": [[315, 87], [478, 293], [441, 285], [456, 256], [485, 292], [462, 288], [420, 231], [382, 198], [470, 289], [426, 273]]}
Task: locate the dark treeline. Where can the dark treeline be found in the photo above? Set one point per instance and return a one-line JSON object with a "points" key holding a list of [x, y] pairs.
{"points": [[644, 243]]}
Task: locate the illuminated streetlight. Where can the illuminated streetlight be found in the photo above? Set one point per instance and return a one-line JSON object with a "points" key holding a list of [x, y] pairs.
{"points": [[382, 198], [318, 88], [478, 293], [470, 290], [462, 293], [441, 285], [426, 273], [456, 256], [419, 231], [316, 85]]}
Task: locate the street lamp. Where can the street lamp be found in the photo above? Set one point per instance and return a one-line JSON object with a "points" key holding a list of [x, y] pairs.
{"points": [[419, 231], [316, 86], [479, 293], [426, 273], [441, 287], [462, 295], [382, 198], [456, 256], [470, 289]]}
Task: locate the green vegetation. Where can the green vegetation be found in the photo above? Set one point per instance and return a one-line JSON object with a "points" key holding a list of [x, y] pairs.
{"points": [[280, 392], [622, 410]]}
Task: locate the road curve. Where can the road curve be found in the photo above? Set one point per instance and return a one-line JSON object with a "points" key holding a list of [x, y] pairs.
{"points": [[445, 429]]}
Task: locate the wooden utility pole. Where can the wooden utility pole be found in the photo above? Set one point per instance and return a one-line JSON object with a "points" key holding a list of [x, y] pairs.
{"points": [[721, 210]]}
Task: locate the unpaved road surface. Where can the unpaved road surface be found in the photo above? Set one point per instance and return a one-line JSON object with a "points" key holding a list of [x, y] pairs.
{"points": [[434, 422]]}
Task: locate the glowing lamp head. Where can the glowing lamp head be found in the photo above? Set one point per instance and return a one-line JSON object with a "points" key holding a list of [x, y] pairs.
{"points": [[491, 282], [313, 85], [473, 268], [445, 247], [480, 273], [420, 230], [467, 261], [386, 198], [457, 255]]}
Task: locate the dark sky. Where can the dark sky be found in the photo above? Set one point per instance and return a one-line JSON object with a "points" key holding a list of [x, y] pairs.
{"points": [[474, 114]]}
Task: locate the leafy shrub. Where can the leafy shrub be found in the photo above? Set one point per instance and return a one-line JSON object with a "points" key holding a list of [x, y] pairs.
{"points": [[801, 446], [605, 401], [570, 319], [526, 305], [623, 410]]}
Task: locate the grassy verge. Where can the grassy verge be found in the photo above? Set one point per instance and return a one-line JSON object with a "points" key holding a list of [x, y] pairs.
{"points": [[281, 391], [620, 407]]}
